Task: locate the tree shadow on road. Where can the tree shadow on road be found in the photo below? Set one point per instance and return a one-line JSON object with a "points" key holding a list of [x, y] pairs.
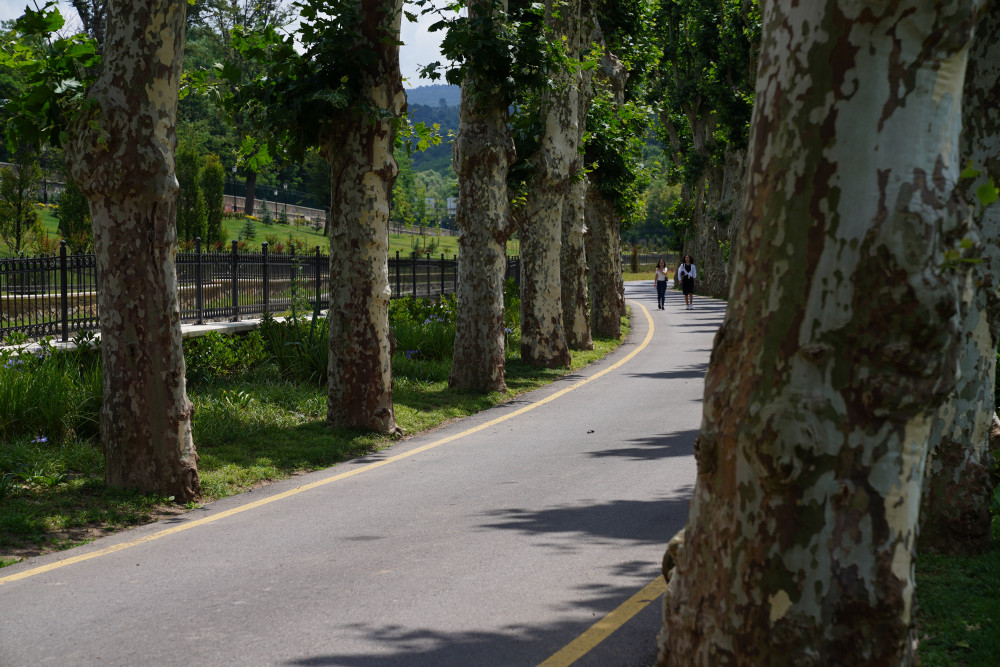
{"points": [[522, 644], [638, 521], [668, 445], [691, 372]]}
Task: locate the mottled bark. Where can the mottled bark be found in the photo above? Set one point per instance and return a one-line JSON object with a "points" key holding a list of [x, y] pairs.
{"points": [[483, 152], [358, 147], [837, 347], [573, 253], [543, 337], [124, 164], [954, 509]]}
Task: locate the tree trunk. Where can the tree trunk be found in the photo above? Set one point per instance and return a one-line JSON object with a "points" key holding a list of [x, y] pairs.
{"points": [[955, 505], [603, 229], [250, 200], [358, 147], [543, 338], [124, 164], [483, 151], [837, 347], [573, 254]]}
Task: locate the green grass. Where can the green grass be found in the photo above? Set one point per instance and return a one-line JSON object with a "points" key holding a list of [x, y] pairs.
{"points": [[958, 607], [404, 243], [249, 430]]}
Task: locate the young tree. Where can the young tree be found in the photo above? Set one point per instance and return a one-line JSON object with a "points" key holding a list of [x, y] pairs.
{"points": [[192, 216], [18, 217], [837, 348], [121, 154], [213, 187], [955, 504], [74, 218]]}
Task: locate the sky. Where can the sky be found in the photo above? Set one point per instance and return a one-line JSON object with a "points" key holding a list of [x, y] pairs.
{"points": [[420, 47]]}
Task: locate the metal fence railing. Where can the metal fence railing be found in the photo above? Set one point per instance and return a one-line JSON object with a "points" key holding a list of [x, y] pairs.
{"points": [[56, 295]]}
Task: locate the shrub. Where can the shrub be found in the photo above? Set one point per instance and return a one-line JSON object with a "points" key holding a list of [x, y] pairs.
{"points": [[299, 347], [217, 356]]}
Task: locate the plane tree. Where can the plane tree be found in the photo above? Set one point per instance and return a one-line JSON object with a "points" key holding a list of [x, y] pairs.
{"points": [[838, 344], [118, 134], [336, 85]]}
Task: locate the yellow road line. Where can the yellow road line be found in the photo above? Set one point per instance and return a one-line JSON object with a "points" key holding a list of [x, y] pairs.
{"points": [[335, 478], [603, 629]]}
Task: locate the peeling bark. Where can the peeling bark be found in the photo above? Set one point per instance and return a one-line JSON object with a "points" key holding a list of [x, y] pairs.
{"points": [[837, 347], [124, 164], [358, 147], [954, 508], [483, 153], [543, 337], [573, 252]]}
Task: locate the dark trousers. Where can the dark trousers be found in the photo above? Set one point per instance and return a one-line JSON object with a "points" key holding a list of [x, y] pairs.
{"points": [[661, 292]]}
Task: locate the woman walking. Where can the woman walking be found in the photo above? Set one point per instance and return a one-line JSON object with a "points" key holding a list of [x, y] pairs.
{"points": [[660, 280], [687, 272]]}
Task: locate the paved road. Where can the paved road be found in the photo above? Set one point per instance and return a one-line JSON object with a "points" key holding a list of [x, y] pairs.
{"points": [[497, 547]]}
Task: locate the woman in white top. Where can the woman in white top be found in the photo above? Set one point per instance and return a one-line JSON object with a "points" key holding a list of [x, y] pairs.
{"points": [[660, 280], [687, 272]]}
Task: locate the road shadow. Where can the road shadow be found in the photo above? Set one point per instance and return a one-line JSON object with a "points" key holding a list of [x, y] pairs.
{"points": [[638, 521], [507, 646], [692, 372], [665, 446]]}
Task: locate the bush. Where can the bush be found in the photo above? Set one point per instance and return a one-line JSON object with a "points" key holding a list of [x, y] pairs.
{"points": [[217, 356], [299, 347]]}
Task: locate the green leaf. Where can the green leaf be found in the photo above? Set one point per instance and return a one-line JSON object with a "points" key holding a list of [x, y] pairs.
{"points": [[987, 193]]}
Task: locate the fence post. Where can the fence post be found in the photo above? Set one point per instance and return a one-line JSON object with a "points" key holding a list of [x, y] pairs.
{"points": [[454, 272], [398, 287], [199, 305], [234, 269], [442, 273], [265, 270], [64, 290], [318, 282]]}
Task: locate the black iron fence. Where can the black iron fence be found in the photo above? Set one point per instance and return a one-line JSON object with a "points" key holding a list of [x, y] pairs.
{"points": [[56, 295]]}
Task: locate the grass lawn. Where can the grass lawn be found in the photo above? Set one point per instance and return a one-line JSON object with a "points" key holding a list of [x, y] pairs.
{"points": [[958, 607], [404, 243], [249, 430]]}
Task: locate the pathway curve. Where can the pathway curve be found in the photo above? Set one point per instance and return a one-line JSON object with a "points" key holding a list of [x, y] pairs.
{"points": [[499, 540]]}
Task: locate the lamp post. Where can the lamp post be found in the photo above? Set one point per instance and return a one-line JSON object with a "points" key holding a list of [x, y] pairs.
{"points": [[234, 188], [285, 186], [276, 202]]}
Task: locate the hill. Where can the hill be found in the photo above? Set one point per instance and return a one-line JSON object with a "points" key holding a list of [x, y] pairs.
{"points": [[432, 95]]}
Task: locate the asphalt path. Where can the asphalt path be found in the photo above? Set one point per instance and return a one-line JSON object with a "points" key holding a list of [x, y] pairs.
{"points": [[512, 537]]}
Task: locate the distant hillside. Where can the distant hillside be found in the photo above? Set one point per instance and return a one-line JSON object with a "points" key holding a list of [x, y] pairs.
{"points": [[438, 157], [432, 95]]}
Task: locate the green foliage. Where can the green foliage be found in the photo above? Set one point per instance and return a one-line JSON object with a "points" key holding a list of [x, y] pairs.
{"points": [[54, 72], [249, 230], [74, 218], [19, 220], [216, 356], [299, 347], [706, 80], [192, 217], [213, 188], [47, 395]]}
